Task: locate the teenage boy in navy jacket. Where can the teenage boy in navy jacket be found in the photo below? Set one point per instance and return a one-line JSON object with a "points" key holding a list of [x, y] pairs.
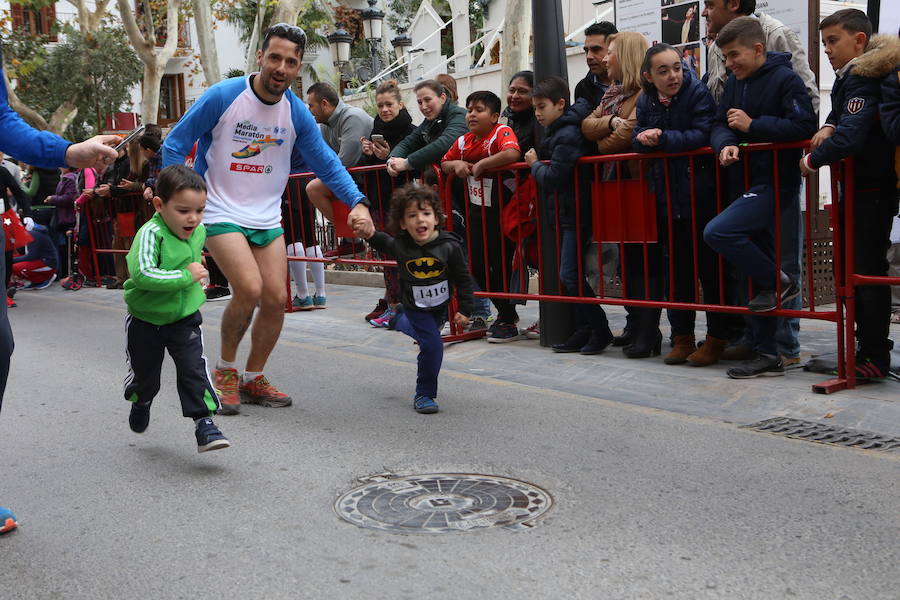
{"points": [[852, 128], [764, 101]]}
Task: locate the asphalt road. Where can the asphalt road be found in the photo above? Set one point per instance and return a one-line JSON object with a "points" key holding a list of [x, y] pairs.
{"points": [[652, 500]]}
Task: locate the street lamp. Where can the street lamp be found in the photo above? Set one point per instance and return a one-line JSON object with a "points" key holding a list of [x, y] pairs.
{"points": [[372, 19], [402, 44], [339, 41]]}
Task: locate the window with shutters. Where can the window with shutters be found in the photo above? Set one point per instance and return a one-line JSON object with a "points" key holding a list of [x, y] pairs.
{"points": [[38, 22], [171, 99]]}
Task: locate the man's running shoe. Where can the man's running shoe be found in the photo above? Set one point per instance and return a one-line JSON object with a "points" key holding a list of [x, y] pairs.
{"points": [[209, 437], [217, 292], [7, 520], [534, 332], [302, 303], [384, 320], [10, 303], [261, 392], [504, 332], [226, 384], [379, 310], [425, 405], [318, 302], [45, 284]]}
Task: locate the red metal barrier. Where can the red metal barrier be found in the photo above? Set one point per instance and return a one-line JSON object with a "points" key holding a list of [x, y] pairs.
{"points": [[624, 214], [845, 201], [113, 221]]}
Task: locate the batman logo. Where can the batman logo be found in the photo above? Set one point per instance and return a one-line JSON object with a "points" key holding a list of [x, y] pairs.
{"points": [[425, 267]]}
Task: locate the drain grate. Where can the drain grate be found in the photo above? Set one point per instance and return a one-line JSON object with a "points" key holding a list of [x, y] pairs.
{"points": [[442, 503], [827, 434]]}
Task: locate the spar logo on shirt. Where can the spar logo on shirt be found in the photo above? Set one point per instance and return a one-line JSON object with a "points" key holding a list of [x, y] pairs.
{"points": [[255, 138], [245, 168]]}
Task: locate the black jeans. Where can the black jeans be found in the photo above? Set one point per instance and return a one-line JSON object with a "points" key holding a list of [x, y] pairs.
{"points": [[874, 210]]}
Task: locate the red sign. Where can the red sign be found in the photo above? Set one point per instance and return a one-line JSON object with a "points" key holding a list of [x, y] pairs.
{"points": [[245, 168]]}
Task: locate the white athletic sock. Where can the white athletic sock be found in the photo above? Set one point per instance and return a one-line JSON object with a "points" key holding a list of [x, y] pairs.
{"points": [[224, 364], [318, 269], [298, 269], [249, 376]]}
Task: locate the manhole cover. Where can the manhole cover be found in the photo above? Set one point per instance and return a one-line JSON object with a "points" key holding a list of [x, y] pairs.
{"points": [[443, 503]]}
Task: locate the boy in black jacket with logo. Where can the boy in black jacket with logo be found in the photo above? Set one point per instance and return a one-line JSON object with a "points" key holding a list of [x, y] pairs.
{"points": [[432, 264], [853, 129], [764, 101]]}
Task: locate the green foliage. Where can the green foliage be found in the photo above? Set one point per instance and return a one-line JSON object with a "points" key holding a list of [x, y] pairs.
{"points": [[95, 72], [242, 13], [234, 73]]}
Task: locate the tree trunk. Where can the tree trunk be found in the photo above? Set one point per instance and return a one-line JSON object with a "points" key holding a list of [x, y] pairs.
{"points": [[206, 39], [31, 116], [154, 59], [254, 37], [150, 104], [89, 20], [62, 117], [287, 11], [515, 40]]}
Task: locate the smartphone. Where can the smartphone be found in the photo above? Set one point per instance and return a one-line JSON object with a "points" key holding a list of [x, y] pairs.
{"points": [[376, 137], [134, 134]]}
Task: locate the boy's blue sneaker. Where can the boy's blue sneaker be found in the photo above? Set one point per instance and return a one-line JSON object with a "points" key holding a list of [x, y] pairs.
{"points": [[318, 301], [425, 405], [209, 437], [7, 520], [139, 417], [303, 303]]}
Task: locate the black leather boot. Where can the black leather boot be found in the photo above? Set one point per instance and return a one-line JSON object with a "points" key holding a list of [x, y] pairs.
{"points": [[648, 338], [575, 342]]}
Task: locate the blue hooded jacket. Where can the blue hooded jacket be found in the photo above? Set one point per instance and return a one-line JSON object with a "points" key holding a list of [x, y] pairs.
{"points": [[686, 123], [776, 99]]}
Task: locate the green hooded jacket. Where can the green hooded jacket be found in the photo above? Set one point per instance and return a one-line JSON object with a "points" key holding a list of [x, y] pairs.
{"points": [[161, 290]]}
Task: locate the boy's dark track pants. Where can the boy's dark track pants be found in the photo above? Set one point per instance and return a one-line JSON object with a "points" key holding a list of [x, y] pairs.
{"points": [[146, 348]]}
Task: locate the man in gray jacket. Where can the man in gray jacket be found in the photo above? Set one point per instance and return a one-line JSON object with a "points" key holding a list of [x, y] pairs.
{"points": [[342, 125], [779, 38]]}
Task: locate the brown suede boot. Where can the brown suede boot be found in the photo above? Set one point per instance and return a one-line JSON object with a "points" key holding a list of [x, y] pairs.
{"points": [[709, 353], [684, 346]]}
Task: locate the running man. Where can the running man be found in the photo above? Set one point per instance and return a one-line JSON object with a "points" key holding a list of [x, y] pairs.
{"points": [[246, 128]]}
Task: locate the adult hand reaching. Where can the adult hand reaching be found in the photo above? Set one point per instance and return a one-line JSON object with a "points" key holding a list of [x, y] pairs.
{"points": [[360, 221], [95, 153]]}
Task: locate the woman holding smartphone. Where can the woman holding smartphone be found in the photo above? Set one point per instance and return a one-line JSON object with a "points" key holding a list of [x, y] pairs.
{"points": [[392, 124]]}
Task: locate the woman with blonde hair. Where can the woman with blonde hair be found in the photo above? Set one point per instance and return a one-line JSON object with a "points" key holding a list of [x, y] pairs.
{"points": [[611, 126]]}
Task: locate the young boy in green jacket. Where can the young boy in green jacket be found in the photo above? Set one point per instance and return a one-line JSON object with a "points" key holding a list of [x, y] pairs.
{"points": [[164, 296]]}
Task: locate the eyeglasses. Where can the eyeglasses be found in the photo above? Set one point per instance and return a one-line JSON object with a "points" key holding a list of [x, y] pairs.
{"points": [[291, 33]]}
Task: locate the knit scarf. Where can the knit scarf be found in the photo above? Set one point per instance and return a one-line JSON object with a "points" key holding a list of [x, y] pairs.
{"points": [[613, 99]]}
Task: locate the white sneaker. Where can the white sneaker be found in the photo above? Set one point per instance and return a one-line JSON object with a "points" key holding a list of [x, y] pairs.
{"points": [[534, 332]]}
